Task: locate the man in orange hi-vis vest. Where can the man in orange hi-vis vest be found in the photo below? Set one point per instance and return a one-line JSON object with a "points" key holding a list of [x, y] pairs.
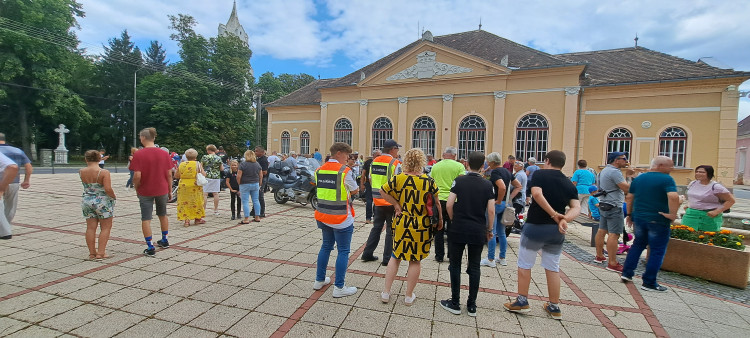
{"points": [[382, 169]]}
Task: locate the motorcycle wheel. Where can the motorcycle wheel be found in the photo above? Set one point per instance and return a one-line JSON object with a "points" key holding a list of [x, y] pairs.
{"points": [[174, 195], [279, 198], [313, 199], [508, 230]]}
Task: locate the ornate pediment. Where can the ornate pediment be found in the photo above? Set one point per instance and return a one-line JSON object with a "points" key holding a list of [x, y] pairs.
{"points": [[427, 68]]}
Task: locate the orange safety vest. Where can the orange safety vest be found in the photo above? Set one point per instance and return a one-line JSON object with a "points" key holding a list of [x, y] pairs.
{"points": [[333, 197], [382, 169]]}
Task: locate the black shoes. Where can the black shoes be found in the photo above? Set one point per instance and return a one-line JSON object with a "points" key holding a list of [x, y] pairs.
{"points": [[7, 237], [149, 252], [384, 263], [453, 307], [471, 310], [163, 243], [369, 259]]}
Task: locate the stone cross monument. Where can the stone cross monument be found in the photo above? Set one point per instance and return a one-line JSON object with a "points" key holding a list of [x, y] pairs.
{"points": [[61, 153]]}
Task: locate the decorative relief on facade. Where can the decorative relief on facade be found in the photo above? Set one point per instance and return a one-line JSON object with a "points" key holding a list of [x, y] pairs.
{"points": [[403, 99], [427, 68], [363, 102], [500, 94], [447, 97], [646, 124], [323, 104], [572, 90]]}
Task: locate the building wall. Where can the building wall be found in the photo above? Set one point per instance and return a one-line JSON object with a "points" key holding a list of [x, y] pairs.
{"points": [[742, 162], [579, 122]]}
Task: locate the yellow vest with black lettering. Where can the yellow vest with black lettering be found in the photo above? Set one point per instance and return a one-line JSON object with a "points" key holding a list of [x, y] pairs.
{"points": [[382, 169], [333, 198]]}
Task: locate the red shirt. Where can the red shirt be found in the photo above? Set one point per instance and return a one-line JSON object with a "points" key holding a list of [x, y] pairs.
{"points": [[153, 163], [432, 162]]}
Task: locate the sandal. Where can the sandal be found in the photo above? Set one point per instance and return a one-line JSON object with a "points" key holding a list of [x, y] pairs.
{"points": [[256, 220], [200, 221], [187, 224], [385, 297], [91, 257], [243, 222], [409, 301]]}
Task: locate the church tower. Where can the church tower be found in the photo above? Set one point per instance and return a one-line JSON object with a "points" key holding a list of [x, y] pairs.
{"points": [[234, 27]]}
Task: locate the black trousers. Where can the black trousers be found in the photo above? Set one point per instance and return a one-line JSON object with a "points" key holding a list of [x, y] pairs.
{"points": [[383, 217], [368, 202], [236, 200], [261, 199], [439, 234], [474, 253]]}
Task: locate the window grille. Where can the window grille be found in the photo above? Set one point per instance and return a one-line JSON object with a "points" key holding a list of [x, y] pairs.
{"points": [[673, 143], [471, 135], [382, 130], [423, 135], [285, 139], [532, 135], [304, 143], [342, 131]]}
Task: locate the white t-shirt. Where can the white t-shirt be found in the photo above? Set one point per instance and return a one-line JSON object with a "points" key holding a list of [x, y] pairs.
{"points": [[703, 197]]}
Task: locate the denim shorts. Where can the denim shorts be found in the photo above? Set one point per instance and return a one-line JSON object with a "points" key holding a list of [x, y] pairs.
{"points": [[147, 206], [612, 221]]}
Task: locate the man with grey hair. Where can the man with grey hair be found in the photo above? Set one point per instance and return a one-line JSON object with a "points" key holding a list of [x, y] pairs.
{"points": [[652, 203], [10, 196], [364, 185], [444, 173], [612, 219]]}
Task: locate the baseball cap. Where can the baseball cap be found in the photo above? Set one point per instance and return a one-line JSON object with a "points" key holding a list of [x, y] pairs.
{"points": [[614, 155], [391, 144], [592, 189]]}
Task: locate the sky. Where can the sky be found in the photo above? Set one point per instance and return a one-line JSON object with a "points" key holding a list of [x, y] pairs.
{"points": [[336, 37]]}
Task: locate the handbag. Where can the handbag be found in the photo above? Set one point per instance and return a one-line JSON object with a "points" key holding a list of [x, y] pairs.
{"points": [[433, 212], [509, 214], [720, 201], [200, 180]]}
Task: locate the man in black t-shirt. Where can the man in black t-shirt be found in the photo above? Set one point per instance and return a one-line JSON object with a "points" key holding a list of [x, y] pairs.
{"points": [[545, 229], [365, 186], [260, 155], [471, 208]]}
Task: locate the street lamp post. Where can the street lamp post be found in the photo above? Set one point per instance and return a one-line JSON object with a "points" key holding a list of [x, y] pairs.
{"points": [[258, 115], [135, 106]]}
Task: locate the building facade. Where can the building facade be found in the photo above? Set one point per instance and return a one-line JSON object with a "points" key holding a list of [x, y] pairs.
{"points": [[478, 91]]}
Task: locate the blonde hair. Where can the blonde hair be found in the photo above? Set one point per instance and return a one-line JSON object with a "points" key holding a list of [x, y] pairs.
{"points": [[250, 156], [211, 147], [414, 160], [191, 154], [92, 156], [133, 150], [233, 162]]}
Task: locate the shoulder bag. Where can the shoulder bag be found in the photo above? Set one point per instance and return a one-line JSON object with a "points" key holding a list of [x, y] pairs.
{"points": [[509, 214], [431, 202], [720, 201], [200, 180]]}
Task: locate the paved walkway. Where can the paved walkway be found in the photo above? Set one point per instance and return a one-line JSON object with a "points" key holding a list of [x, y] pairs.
{"points": [[256, 280]]}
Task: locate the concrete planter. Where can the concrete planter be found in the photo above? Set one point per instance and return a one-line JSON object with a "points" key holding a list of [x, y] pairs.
{"points": [[720, 265]]}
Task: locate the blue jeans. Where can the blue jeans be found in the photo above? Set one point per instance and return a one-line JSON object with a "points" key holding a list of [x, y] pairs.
{"points": [[129, 184], [656, 236], [498, 231], [246, 191], [343, 240]]}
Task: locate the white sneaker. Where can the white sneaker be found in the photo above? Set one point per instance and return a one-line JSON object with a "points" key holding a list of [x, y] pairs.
{"points": [[320, 284], [487, 262], [503, 262], [343, 292], [216, 213]]}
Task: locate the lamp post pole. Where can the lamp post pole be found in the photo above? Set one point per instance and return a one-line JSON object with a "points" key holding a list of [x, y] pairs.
{"points": [[258, 116], [135, 107]]}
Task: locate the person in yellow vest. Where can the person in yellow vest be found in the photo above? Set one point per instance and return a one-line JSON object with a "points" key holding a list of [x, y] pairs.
{"points": [[335, 217], [382, 169]]}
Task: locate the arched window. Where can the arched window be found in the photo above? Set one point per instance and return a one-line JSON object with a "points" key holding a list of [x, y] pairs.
{"points": [[304, 143], [382, 130], [471, 132], [619, 139], [673, 144], [423, 135], [342, 131], [285, 138], [531, 137]]}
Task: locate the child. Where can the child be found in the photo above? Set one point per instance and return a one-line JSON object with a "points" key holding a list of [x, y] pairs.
{"points": [[593, 203], [234, 189], [98, 203]]}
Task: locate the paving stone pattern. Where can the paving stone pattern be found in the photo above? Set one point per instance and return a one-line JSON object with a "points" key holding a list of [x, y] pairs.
{"points": [[225, 279]]}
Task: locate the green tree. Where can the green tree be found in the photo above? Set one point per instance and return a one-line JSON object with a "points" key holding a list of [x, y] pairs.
{"points": [[274, 88], [156, 56], [38, 57]]}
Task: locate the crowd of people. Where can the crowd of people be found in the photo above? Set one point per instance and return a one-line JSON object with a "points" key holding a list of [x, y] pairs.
{"points": [[467, 203]]}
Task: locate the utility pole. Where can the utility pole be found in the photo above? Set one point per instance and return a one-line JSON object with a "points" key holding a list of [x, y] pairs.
{"points": [[135, 106], [258, 115]]}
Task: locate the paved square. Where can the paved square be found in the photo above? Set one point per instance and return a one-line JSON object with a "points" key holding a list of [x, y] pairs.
{"points": [[255, 280]]}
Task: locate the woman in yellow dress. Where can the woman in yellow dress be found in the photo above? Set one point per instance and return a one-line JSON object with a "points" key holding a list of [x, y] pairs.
{"points": [[412, 228], [190, 195]]}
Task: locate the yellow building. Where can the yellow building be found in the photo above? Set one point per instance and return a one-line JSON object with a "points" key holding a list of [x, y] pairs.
{"points": [[478, 91]]}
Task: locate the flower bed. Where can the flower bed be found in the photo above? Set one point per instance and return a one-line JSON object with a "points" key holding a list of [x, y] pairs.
{"points": [[715, 256], [723, 238]]}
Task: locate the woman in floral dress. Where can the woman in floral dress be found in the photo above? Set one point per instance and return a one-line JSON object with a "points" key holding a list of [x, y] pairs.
{"points": [[190, 195], [98, 204]]}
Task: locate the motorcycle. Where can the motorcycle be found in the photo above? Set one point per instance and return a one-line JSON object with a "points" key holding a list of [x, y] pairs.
{"points": [[285, 187]]}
